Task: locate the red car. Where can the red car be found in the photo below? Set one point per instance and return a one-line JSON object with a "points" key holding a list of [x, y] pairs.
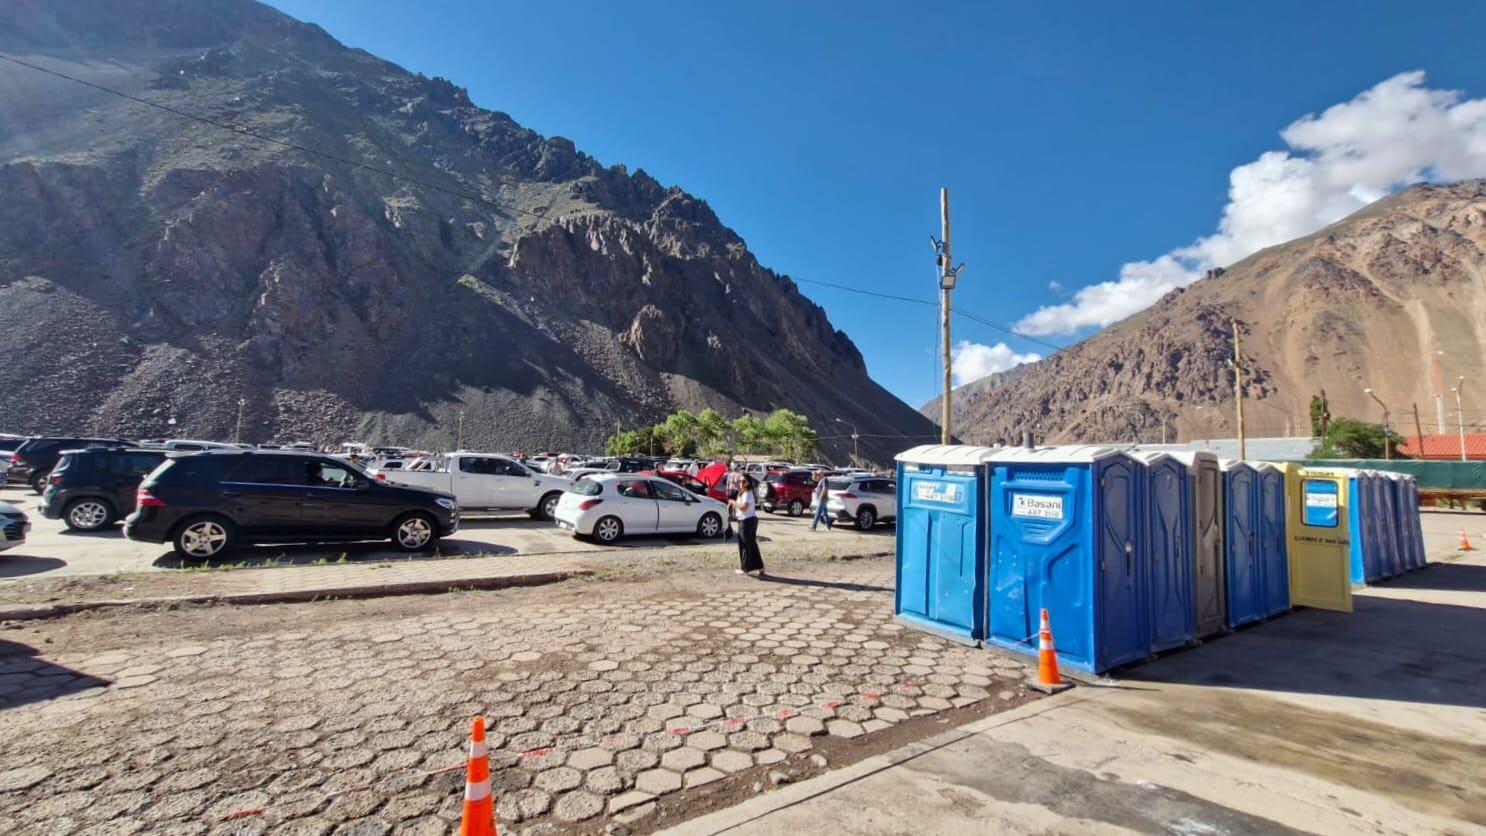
{"points": [[691, 483], [788, 490]]}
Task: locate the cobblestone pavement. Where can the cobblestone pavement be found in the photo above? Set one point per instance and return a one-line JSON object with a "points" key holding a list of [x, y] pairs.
{"points": [[350, 716]]}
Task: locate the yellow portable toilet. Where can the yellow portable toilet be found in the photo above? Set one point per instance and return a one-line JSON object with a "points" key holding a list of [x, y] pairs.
{"points": [[1317, 502]]}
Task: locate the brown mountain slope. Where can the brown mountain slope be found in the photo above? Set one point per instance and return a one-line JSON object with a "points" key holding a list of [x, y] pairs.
{"points": [[155, 270], [1366, 302]]}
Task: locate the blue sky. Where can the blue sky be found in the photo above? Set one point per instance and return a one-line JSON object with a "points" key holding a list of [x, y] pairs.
{"points": [[1076, 138]]}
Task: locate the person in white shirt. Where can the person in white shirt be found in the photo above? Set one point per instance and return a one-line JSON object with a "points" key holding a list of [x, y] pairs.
{"points": [[693, 469], [744, 505]]}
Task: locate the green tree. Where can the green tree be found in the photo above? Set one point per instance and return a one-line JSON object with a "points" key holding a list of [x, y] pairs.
{"points": [[788, 434], [748, 433], [1348, 438], [712, 432], [678, 433], [1320, 415], [626, 443]]}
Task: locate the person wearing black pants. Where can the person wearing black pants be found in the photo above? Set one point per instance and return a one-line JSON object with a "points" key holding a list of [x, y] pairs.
{"points": [[745, 508]]}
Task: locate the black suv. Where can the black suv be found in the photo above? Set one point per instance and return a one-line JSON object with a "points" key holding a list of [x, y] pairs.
{"points": [[205, 503], [34, 459], [92, 489]]}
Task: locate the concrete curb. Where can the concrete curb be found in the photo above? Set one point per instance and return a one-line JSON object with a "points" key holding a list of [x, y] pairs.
{"points": [[290, 596]]}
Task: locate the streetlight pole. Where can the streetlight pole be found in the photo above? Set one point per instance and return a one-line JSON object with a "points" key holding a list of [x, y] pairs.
{"points": [[1387, 447], [1460, 414], [459, 434], [855, 457], [241, 402], [948, 276]]}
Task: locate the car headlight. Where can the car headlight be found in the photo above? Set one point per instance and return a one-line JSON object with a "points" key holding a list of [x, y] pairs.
{"points": [[445, 503]]}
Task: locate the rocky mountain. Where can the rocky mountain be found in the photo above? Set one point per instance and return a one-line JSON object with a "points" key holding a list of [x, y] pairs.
{"points": [[1365, 303], [158, 271]]}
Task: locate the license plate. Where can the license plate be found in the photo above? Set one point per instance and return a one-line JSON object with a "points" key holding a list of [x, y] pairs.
{"points": [[563, 524]]}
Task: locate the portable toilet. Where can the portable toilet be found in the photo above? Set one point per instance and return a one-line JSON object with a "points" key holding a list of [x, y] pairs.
{"points": [[1317, 521], [1209, 595], [1245, 584], [1387, 496], [1066, 535], [1272, 556], [1167, 512], [941, 538], [1415, 529], [1409, 539], [1364, 550], [941, 541]]}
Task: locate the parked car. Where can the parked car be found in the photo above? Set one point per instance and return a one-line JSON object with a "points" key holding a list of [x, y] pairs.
{"points": [[486, 481], [206, 503], [33, 461], [787, 490], [863, 501], [691, 483], [92, 489], [13, 526], [610, 506], [9, 442], [187, 445]]}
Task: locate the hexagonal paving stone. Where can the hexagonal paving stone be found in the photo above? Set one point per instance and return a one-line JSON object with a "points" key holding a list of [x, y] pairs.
{"points": [[792, 743], [620, 803], [703, 776], [578, 806], [769, 756], [592, 758], [559, 779], [805, 725], [683, 759], [607, 780], [843, 728], [636, 760], [658, 781], [706, 741], [748, 741], [730, 761]]}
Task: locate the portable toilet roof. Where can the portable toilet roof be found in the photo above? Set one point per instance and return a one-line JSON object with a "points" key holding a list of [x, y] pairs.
{"points": [[1190, 458], [1151, 456], [948, 455], [1069, 453]]}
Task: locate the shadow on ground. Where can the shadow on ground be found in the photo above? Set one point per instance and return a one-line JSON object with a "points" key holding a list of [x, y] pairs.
{"points": [[321, 554], [20, 565], [1389, 648], [769, 577], [27, 678]]}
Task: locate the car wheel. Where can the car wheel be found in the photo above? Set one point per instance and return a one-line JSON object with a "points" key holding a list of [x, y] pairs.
{"points": [[796, 507], [87, 514], [548, 508], [608, 530], [709, 526], [38, 481], [202, 538], [866, 518], [415, 533]]}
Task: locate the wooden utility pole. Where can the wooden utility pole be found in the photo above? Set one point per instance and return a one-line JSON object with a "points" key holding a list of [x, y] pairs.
{"points": [[946, 284], [1418, 445], [1325, 416], [1243, 449]]}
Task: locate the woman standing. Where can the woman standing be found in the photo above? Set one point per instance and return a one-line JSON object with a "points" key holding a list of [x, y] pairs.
{"points": [[744, 505]]}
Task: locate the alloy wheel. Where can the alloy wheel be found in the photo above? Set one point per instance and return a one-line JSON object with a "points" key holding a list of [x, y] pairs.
{"points": [[204, 539], [87, 515], [414, 533]]}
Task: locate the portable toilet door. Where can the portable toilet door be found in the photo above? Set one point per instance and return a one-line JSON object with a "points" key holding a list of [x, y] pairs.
{"points": [[1066, 536], [1274, 566], [1167, 512], [1367, 512], [1407, 504], [1415, 527], [941, 541], [1241, 553], [1209, 595], [1316, 524], [1362, 546]]}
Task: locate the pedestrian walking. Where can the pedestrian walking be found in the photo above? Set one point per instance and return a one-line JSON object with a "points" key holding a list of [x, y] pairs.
{"points": [[819, 498], [744, 506]]}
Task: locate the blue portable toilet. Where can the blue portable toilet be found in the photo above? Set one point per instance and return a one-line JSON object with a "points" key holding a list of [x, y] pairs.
{"points": [[1388, 539], [1168, 518], [1417, 526], [1273, 554], [1210, 597], [942, 541], [1364, 552], [1241, 541], [1067, 535]]}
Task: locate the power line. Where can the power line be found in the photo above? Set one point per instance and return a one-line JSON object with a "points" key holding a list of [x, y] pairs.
{"points": [[966, 314]]}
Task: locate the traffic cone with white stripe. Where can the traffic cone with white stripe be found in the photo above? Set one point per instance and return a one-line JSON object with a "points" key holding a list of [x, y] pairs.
{"points": [[479, 807], [1465, 542], [1048, 680]]}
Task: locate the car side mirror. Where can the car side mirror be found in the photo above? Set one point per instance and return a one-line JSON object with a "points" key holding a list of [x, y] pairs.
{"points": [[363, 484]]}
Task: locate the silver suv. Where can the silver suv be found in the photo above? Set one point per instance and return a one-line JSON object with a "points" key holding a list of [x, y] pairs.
{"points": [[863, 500]]}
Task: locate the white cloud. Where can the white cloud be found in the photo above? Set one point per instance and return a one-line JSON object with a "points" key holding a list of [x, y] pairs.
{"points": [[972, 361], [1397, 133]]}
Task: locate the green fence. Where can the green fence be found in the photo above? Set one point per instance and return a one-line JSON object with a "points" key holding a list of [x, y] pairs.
{"points": [[1464, 476]]}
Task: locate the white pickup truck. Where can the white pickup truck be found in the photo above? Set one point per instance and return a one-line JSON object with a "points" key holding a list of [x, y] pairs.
{"points": [[482, 481]]}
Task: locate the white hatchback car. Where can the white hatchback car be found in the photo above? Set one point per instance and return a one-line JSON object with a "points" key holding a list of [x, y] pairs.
{"points": [[609, 506], [13, 526]]}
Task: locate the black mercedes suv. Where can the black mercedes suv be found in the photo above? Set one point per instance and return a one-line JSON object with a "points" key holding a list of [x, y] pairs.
{"points": [[205, 503], [93, 489]]}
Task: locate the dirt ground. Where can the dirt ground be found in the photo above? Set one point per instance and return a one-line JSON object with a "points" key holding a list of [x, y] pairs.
{"points": [[659, 690]]}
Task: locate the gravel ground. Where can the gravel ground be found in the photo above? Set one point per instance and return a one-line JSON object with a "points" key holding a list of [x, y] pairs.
{"points": [[643, 699]]}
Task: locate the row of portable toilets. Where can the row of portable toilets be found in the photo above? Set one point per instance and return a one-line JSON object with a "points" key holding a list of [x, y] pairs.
{"points": [[1130, 552]]}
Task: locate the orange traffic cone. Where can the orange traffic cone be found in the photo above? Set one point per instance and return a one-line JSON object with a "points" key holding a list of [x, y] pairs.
{"points": [[479, 807], [1048, 680], [1465, 542]]}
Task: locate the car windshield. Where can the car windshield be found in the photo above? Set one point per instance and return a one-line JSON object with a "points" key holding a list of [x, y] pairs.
{"points": [[586, 487]]}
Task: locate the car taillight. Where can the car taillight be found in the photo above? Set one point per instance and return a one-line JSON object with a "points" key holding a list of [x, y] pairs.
{"points": [[588, 503], [144, 499], [382, 476], [55, 479], [846, 495], [18, 460]]}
